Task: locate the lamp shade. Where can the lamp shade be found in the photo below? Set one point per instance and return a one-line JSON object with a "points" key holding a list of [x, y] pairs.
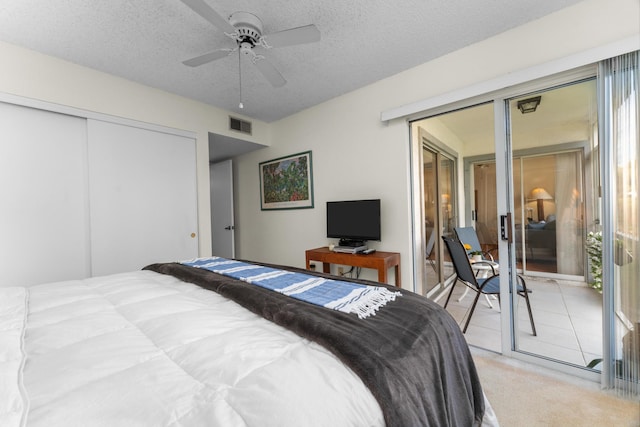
{"points": [[540, 193]]}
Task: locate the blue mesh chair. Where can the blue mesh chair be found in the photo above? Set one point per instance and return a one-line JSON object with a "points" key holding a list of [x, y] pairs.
{"points": [[469, 236], [486, 286]]}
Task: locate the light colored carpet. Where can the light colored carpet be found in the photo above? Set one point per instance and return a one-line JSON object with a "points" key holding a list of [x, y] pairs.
{"points": [[523, 395]]}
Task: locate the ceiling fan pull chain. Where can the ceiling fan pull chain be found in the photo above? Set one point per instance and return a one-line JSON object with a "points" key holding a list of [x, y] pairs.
{"points": [[240, 77]]}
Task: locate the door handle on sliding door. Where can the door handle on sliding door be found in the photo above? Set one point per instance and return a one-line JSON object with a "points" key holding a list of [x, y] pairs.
{"points": [[505, 227]]}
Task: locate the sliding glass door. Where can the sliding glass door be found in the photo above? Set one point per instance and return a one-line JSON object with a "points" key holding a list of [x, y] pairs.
{"points": [[551, 219], [549, 178]]}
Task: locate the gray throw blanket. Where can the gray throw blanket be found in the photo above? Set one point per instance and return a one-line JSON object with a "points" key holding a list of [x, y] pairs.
{"points": [[411, 354]]}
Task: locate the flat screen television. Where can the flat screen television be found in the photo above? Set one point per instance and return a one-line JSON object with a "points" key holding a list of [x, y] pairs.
{"points": [[354, 221]]}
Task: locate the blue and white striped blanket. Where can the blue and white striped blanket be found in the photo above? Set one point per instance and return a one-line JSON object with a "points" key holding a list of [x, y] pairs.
{"points": [[338, 295]]}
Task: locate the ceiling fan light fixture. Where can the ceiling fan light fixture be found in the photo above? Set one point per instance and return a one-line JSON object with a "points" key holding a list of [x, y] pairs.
{"points": [[248, 26], [529, 105]]}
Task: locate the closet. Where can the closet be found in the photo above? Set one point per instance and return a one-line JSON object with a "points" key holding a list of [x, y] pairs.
{"points": [[85, 195]]}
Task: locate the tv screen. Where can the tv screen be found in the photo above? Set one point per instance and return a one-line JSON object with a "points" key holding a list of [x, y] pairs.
{"points": [[354, 219]]}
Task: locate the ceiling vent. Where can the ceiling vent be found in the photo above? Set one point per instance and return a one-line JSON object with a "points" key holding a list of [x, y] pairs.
{"points": [[240, 125]]}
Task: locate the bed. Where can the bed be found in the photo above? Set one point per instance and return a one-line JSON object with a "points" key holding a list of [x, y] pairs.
{"points": [[175, 345]]}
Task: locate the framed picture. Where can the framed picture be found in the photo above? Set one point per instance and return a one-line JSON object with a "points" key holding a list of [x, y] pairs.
{"points": [[287, 182]]}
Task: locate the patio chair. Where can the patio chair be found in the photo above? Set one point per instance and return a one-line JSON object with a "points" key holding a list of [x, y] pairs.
{"points": [[481, 286], [429, 250], [469, 236]]}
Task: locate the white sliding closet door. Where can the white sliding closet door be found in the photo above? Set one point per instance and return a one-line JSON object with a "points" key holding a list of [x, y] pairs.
{"points": [[143, 199], [43, 203]]}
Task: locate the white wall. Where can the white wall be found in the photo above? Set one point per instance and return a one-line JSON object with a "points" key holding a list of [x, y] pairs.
{"points": [[354, 154], [357, 156], [29, 74]]}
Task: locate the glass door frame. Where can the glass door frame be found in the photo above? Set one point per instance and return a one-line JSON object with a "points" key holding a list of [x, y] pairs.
{"points": [[441, 151], [452, 209], [507, 244], [505, 205]]}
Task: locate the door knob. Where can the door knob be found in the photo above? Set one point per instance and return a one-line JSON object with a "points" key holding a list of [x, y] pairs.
{"points": [[229, 227]]}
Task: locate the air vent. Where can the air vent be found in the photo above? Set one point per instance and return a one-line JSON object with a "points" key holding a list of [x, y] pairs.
{"points": [[239, 125]]}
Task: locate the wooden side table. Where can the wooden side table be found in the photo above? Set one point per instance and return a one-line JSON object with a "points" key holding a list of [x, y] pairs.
{"points": [[381, 261]]}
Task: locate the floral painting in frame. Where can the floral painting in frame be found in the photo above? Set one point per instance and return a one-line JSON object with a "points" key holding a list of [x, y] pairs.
{"points": [[287, 182]]}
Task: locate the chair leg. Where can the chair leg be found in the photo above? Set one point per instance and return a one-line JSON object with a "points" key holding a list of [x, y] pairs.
{"points": [[473, 307], [533, 326], [453, 285], [525, 294]]}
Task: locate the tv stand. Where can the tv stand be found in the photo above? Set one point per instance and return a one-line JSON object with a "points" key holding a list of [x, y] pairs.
{"points": [[351, 243], [378, 260]]}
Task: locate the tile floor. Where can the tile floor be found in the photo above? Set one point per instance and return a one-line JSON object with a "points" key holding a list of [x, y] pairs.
{"points": [[567, 315]]}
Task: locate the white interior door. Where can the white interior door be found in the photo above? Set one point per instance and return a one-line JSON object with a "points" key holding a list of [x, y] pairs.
{"points": [[222, 225], [43, 196], [143, 197]]}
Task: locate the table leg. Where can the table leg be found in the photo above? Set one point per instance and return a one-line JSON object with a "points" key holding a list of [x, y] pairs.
{"points": [[382, 275], [486, 297], [464, 294], [326, 267]]}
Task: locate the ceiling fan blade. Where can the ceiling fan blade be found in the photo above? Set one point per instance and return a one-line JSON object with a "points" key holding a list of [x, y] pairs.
{"points": [[269, 71], [293, 36], [203, 9], [208, 57]]}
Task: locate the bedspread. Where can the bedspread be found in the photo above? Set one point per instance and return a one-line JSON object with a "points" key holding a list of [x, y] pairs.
{"points": [[145, 349], [411, 354]]}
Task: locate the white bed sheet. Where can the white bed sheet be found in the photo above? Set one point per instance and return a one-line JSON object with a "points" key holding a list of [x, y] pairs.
{"points": [[144, 349]]}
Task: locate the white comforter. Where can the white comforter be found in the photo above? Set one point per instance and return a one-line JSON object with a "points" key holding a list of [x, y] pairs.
{"points": [[146, 349]]}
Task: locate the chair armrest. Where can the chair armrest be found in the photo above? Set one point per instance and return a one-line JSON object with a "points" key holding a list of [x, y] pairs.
{"points": [[487, 254], [491, 264]]}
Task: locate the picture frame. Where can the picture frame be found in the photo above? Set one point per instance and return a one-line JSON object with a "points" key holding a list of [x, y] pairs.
{"points": [[287, 182]]}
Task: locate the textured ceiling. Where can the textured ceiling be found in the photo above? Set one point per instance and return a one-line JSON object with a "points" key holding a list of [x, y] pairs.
{"points": [[362, 41]]}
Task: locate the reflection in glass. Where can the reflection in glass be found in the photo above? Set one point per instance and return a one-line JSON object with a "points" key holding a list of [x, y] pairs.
{"points": [[554, 210]]}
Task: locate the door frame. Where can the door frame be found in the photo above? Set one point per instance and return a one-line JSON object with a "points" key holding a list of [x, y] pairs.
{"points": [[225, 148], [507, 246], [425, 140], [504, 167], [222, 216]]}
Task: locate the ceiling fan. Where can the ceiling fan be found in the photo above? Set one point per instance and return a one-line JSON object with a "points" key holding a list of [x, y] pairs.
{"points": [[246, 30]]}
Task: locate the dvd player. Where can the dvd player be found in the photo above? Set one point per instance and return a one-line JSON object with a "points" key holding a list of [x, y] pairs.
{"points": [[349, 249]]}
